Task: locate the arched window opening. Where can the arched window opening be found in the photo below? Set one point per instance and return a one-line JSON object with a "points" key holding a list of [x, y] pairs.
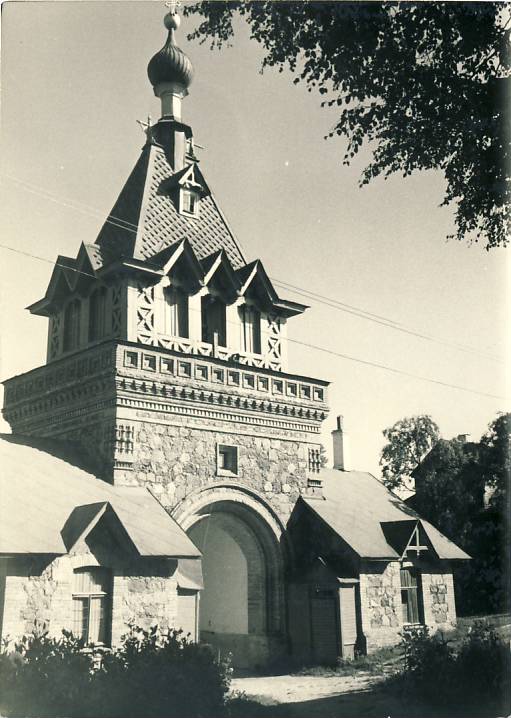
{"points": [[92, 594], [176, 313], [72, 326], [410, 598], [97, 314], [213, 321], [251, 319]]}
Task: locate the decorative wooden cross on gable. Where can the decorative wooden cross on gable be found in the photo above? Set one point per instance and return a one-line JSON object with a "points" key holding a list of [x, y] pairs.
{"points": [[414, 543]]}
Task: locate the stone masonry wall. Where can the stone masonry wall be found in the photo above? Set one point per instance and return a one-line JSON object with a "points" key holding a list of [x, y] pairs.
{"points": [[380, 601], [380, 598], [174, 461], [144, 600], [39, 595], [438, 600], [36, 596]]}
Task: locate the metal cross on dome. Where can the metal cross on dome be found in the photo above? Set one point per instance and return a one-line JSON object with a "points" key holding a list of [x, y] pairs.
{"points": [[146, 126], [173, 5]]}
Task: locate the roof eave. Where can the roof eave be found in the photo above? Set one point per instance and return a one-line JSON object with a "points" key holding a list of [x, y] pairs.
{"points": [[139, 266], [41, 307], [291, 309]]}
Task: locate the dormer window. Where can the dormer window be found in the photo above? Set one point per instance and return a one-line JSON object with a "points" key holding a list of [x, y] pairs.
{"points": [[176, 313], [189, 200], [213, 321], [251, 319], [72, 325], [97, 314]]}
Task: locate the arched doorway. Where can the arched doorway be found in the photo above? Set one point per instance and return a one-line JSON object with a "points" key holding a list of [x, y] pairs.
{"points": [[241, 606]]}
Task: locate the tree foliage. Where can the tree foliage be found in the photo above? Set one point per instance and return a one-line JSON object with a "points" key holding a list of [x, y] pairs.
{"points": [[408, 441], [426, 84], [495, 460], [450, 487], [463, 489]]}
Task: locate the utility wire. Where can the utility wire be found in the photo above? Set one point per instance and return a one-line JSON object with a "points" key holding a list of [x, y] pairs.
{"points": [[393, 369], [327, 301], [348, 357], [334, 303]]}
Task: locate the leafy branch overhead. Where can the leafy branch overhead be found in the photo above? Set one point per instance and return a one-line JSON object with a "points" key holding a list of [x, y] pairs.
{"points": [[408, 442], [426, 84]]}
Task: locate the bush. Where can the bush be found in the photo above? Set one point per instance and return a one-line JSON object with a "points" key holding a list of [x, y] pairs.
{"points": [[161, 673], [484, 663], [153, 673], [471, 680], [44, 677]]}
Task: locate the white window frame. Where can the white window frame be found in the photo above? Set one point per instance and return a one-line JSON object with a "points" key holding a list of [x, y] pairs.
{"points": [[251, 329], [176, 312], [193, 197], [105, 600]]}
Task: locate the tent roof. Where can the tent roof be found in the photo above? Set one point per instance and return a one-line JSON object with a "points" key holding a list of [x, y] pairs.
{"points": [[144, 219], [42, 482], [356, 504]]}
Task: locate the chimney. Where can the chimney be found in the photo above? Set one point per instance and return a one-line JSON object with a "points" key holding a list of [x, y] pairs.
{"points": [[341, 448]]}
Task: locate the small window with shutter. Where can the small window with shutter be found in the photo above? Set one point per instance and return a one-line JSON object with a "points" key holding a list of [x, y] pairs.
{"points": [[92, 591], [410, 598]]}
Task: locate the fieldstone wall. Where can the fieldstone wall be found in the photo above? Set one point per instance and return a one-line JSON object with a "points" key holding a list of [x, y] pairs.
{"points": [[438, 599], [380, 599], [174, 461], [380, 602], [38, 594], [144, 597]]}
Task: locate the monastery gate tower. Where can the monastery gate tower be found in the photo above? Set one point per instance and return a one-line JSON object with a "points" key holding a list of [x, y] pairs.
{"points": [[166, 362]]}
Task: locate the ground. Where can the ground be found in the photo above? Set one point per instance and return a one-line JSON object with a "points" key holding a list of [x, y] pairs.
{"points": [[354, 690], [325, 696]]}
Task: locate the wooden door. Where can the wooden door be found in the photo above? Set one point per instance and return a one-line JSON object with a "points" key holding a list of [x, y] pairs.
{"points": [[348, 613], [187, 612], [324, 627]]}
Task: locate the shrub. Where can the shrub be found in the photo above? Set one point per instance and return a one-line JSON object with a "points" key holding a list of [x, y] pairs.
{"points": [[44, 677], [153, 673], [471, 680], [428, 665], [160, 673], [484, 664]]}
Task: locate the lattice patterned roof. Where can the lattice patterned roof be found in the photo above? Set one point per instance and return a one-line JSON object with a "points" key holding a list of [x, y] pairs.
{"points": [[145, 220]]}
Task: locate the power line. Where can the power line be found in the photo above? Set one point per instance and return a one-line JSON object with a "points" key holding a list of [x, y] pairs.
{"points": [[327, 301], [348, 357], [334, 303], [394, 370]]}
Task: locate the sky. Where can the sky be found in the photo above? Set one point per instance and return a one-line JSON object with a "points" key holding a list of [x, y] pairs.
{"points": [[74, 85]]}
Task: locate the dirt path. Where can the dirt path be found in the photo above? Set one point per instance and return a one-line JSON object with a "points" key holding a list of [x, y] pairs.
{"points": [[320, 697], [270, 690]]}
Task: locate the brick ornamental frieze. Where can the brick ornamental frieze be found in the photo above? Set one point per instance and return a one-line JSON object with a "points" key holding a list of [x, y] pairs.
{"points": [[167, 383]]}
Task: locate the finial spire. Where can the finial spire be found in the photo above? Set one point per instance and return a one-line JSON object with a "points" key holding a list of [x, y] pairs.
{"points": [[170, 71]]}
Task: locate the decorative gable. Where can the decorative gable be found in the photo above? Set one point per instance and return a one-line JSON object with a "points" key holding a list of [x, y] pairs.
{"points": [[187, 188]]}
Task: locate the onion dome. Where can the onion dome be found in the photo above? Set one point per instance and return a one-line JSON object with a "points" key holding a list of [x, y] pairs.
{"points": [[170, 64]]}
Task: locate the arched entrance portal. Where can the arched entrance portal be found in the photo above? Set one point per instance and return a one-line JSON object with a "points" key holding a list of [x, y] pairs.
{"points": [[241, 604]]}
